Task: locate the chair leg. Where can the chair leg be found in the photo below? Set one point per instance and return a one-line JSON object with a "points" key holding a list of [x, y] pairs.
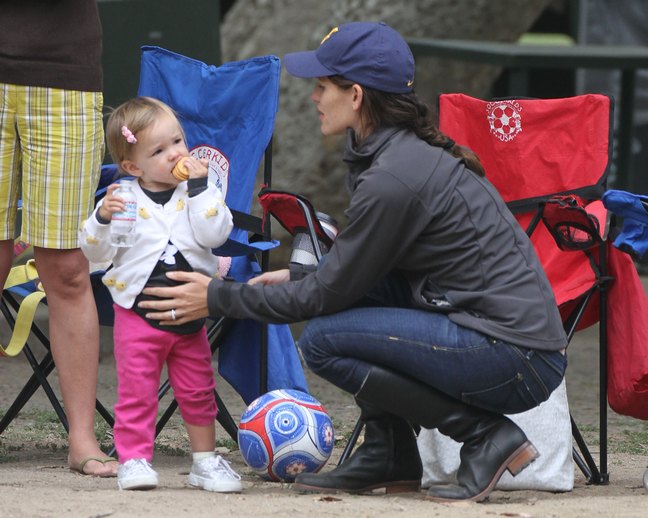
{"points": [[39, 378], [26, 393], [164, 419], [170, 410], [592, 474], [582, 465], [41, 370], [225, 418], [103, 412], [603, 362], [352, 441]]}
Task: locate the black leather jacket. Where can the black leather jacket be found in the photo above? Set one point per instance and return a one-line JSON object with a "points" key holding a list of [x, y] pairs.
{"points": [[418, 211]]}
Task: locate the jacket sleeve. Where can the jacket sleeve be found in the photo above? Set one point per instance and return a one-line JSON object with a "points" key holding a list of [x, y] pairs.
{"points": [[384, 219], [210, 219], [94, 239]]}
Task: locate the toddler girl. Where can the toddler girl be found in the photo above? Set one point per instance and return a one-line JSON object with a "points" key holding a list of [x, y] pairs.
{"points": [[178, 224]]}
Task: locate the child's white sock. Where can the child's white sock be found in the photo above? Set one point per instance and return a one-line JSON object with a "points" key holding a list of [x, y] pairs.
{"points": [[197, 456]]}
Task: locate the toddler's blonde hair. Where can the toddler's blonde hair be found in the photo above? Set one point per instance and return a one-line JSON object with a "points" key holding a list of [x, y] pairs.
{"points": [[136, 114]]}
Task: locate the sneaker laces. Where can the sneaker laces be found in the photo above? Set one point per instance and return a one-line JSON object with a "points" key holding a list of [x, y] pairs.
{"points": [[219, 464], [137, 467]]}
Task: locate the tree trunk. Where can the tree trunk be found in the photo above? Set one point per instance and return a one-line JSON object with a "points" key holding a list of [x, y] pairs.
{"points": [[306, 162]]}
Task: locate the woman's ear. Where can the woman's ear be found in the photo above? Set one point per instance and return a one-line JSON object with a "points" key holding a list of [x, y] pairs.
{"points": [[358, 93]]}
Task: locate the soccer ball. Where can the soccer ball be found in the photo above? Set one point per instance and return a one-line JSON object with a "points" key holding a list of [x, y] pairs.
{"points": [[285, 432]]}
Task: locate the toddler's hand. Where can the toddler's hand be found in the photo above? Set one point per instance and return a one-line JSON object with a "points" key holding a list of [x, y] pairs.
{"points": [[197, 168], [111, 203]]}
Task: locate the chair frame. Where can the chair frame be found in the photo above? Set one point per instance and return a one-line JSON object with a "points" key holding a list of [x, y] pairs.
{"points": [[581, 454], [9, 305]]}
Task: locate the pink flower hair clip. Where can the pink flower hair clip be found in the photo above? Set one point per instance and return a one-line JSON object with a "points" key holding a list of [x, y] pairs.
{"points": [[128, 134]]}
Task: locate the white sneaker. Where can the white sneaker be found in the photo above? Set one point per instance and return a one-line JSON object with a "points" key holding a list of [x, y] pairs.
{"points": [[136, 474], [214, 474]]}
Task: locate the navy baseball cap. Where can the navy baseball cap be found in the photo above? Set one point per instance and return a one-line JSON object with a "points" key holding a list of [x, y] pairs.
{"points": [[371, 54]]}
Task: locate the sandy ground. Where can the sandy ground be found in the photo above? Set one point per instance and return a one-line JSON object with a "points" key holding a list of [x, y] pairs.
{"points": [[35, 481]]}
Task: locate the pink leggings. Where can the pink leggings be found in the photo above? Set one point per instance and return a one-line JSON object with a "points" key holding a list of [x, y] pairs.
{"points": [[140, 354]]}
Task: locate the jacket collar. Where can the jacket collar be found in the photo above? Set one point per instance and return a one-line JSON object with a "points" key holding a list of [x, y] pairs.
{"points": [[359, 156]]}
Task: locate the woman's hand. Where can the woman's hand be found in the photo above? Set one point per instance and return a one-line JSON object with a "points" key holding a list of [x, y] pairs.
{"points": [[268, 278], [185, 302]]}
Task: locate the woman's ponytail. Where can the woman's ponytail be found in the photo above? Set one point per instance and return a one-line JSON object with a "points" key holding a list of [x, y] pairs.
{"points": [[426, 129]]}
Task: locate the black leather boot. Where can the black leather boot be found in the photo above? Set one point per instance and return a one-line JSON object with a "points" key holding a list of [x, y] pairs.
{"points": [[491, 442], [388, 458]]}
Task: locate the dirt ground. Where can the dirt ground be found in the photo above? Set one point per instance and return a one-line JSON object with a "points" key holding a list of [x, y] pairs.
{"points": [[35, 481]]}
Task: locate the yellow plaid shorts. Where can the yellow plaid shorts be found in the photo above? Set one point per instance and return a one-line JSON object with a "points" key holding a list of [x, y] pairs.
{"points": [[51, 149]]}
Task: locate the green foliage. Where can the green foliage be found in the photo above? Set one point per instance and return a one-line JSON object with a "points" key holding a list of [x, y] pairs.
{"points": [[631, 441], [228, 443]]}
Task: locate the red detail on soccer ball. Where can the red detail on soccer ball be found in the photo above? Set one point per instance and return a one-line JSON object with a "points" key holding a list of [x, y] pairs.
{"points": [[285, 432]]}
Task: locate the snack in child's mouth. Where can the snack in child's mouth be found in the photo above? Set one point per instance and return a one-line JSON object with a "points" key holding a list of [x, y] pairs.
{"points": [[180, 169]]}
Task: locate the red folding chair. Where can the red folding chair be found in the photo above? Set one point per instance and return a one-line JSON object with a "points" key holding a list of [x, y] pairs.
{"points": [[549, 159]]}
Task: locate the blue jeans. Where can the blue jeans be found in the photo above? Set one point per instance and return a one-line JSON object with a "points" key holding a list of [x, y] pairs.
{"points": [[429, 347]]}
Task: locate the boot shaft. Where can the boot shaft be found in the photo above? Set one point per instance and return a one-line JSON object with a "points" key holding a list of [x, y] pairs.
{"points": [[388, 458], [387, 391]]}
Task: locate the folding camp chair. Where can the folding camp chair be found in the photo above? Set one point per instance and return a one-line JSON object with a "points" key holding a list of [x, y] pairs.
{"points": [[549, 159], [228, 115], [313, 232], [20, 300]]}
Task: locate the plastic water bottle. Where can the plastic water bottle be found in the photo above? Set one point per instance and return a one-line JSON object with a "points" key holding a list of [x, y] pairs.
{"points": [[122, 224]]}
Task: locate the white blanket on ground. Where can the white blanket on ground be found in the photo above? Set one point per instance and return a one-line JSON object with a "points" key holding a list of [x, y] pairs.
{"points": [[548, 427]]}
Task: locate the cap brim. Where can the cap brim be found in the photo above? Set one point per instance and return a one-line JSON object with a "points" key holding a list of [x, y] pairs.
{"points": [[305, 64]]}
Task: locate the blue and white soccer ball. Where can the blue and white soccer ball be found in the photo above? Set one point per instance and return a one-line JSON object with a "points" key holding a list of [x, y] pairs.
{"points": [[285, 432]]}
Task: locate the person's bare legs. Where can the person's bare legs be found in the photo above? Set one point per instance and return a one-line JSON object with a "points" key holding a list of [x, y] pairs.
{"points": [[74, 337], [6, 259]]}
